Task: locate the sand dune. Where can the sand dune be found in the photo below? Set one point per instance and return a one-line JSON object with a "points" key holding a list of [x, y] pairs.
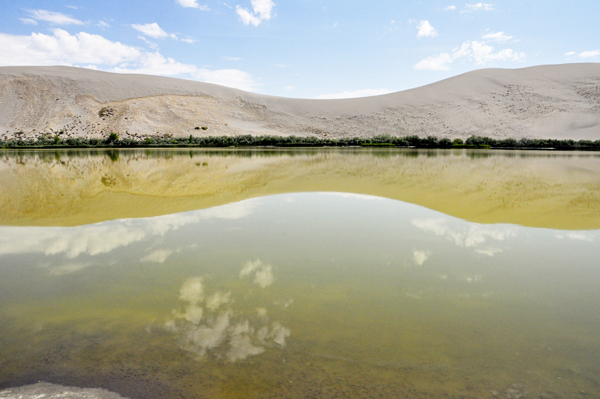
{"points": [[553, 101]]}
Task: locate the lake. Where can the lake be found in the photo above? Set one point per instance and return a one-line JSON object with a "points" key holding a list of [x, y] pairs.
{"points": [[228, 273]]}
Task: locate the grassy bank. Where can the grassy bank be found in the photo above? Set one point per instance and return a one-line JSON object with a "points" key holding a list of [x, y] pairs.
{"points": [[385, 141]]}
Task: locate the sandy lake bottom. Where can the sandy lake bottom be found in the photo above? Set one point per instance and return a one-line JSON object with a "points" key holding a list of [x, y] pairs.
{"points": [[301, 274]]}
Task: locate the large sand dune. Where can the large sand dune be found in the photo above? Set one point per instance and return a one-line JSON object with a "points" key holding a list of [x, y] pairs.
{"points": [[553, 101]]}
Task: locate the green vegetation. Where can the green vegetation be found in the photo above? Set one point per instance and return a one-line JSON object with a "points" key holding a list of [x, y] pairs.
{"points": [[473, 142]]}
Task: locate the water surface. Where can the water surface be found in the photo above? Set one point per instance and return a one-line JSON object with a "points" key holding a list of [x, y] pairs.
{"points": [[299, 294]]}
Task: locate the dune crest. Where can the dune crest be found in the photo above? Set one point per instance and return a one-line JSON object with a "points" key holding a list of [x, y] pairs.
{"points": [[552, 101]]}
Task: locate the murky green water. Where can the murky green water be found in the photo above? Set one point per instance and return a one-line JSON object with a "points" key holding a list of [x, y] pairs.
{"points": [[299, 294]]}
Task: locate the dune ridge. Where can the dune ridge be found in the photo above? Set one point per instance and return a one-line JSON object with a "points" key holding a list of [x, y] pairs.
{"points": [[551, 101]]}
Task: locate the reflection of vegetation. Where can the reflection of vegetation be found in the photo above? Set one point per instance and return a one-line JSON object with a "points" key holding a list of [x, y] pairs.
{"points": [[113, 140]]}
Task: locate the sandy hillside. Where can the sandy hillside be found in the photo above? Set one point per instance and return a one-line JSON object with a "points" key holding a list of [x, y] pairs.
{"points": [[555, 101]]}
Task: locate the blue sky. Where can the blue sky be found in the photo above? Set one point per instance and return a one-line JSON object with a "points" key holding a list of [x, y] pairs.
{"points": [[300, 48]]}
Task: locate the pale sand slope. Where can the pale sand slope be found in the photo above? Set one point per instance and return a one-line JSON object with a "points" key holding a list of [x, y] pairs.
{"points": [[553, 101]]}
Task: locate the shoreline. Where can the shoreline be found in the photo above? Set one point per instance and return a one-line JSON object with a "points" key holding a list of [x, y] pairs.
{"points": [[247, 141]]}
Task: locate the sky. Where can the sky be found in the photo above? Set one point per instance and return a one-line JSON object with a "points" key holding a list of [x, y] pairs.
{"points": [[300, 48]]}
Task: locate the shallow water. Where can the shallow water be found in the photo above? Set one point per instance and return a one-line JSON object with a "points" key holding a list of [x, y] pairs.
{"points": [[299, 294]]}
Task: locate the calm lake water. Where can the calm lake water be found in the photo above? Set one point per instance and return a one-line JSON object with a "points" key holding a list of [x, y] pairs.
{"points": [[302, 274]]}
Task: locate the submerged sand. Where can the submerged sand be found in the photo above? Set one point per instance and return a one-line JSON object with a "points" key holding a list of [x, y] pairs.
{"points": [[54, 391], [551, 101]]}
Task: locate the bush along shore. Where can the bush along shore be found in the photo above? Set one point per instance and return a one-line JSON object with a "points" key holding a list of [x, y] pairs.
{"points": [[384, 141]]}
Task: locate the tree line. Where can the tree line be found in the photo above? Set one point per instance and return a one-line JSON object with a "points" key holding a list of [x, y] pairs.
{"points": [[114, 141]]}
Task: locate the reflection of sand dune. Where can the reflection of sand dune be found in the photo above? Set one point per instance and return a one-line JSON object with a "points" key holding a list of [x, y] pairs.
{"points": [[554, 190]]}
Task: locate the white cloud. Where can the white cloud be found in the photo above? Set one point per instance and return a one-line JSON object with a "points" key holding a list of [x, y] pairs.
{"points": [[589, 54], [450, 8], [570, 53], [153, 30], [261, 12], [281, 65], [103, 24], [477, 51], [150, 44], [227, 58], [478, 7], [192, 4], [440, 62], [188, 40], [228, 77], [62, 48], [497, 37], [28, 21], [53, 17], [426, 30], [354, 94]]}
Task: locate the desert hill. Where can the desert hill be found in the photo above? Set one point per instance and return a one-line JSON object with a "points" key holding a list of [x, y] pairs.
{"points": [[552, 101]]}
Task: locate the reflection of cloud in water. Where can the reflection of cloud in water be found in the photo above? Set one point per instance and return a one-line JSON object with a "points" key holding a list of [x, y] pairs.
{"points": [[104, 237], [488, 251], [471, 279], [361, 197], [222, 333], [471, 236], [219, 298], [576, 235], [158, 256], [264, 273], [68, 268], [419, 257]]}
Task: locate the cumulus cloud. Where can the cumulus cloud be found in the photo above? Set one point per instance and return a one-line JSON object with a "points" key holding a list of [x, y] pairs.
{"points": [[192, 4], [589, 54], [497, 37], [354, 94], [478, 7], [477, 51], [570, 53], [450, 8], [261, 11], [426, 30], [153, 30], [62, 48], [56, 18]]}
